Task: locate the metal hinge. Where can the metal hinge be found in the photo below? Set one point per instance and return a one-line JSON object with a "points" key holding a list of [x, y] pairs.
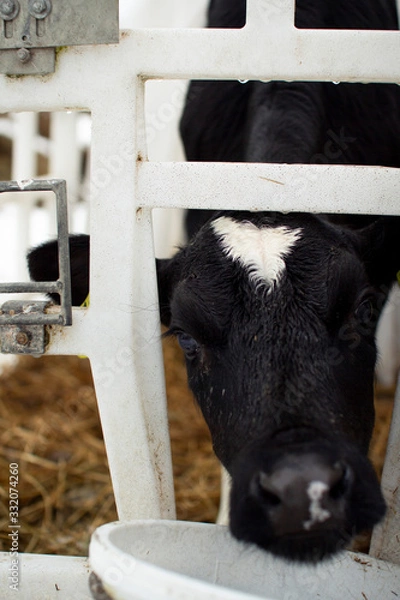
{"points": [[22, 323], [31, 30]]}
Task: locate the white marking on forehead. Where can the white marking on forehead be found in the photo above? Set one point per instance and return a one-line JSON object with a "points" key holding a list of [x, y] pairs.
{"points": [[261, 250], [315, 492]]}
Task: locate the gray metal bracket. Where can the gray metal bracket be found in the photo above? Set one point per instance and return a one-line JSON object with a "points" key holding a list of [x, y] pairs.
{"points": [[20, 337], [31, 30], [24, 314]]}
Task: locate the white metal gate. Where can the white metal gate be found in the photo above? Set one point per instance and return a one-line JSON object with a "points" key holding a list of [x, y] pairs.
{"points": [[119, 332]]}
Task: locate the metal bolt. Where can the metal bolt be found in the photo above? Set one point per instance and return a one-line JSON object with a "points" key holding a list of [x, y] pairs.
{"points": [[24, 55], [9, 9], [39, 8], [22, 338]]}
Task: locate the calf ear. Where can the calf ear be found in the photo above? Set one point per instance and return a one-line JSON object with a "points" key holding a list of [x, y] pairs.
{"points": [[380, 249], [168, 272], [43, 266]]}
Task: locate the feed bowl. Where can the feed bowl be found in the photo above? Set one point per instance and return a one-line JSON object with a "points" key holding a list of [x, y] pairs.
{"points": [[176, 560]]}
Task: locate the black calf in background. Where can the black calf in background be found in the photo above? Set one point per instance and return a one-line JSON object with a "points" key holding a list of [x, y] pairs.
{"points": [[299, 122]]}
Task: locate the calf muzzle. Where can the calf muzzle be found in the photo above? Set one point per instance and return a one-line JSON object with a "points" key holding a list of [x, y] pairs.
{"points": [[302, 495], [303, 500]]}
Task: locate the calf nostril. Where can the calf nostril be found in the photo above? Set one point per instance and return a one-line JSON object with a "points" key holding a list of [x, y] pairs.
{"points": [[342, 483], [263, 488]]}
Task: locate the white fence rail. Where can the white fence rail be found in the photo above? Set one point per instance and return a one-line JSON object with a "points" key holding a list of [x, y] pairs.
{"points": [[121, 326]]}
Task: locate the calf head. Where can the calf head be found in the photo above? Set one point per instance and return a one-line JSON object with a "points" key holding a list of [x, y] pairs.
{"points": [[276, 315]]}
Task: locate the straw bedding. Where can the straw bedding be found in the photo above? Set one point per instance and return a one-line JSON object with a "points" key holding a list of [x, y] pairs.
{"points": [[49, 425]]}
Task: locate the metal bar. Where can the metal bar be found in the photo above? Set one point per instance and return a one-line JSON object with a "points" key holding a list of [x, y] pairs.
{"points": [[212, 54], [36, 319], [31, 287], [120, 330], [32, 185], [277, 187], [271, 13], [259, 53], [63, 251], [385, 540]]}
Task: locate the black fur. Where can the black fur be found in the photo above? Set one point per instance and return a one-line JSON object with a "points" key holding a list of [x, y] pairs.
{"points": [[43, 266]]}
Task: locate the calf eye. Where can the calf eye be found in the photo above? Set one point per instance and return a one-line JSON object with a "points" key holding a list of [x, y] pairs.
{"points": [[366, 311], [188, 344]]}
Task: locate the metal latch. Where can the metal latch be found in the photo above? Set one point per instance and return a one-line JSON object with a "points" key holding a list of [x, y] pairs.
{"points": [[31, 30], [19, 320]]}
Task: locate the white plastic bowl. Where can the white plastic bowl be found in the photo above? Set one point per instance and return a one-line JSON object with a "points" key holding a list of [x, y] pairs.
{"points": [[175, 560]]}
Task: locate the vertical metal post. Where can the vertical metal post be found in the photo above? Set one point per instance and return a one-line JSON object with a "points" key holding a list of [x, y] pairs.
{"points": [[385, 542], [125, 352]]}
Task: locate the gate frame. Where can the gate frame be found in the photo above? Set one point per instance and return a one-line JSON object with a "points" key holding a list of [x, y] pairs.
{"points": [[125, 187]]}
